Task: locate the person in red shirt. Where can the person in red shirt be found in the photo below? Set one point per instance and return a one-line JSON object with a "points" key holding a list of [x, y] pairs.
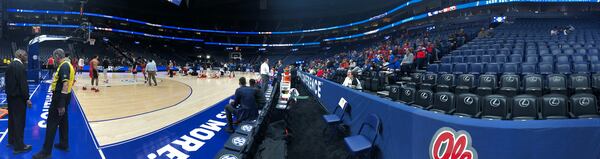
{"points": [[320, 72], [345, 64], [50, 65], [421, 57]]}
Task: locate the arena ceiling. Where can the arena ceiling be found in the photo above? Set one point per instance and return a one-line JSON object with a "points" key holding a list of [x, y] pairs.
{"points": [[233, 14]]}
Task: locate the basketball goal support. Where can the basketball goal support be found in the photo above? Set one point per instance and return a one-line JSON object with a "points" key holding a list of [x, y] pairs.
{"points": [[34, 69]]}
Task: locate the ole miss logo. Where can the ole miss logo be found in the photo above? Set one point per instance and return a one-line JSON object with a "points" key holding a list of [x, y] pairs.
{"points": [[449, 144]]}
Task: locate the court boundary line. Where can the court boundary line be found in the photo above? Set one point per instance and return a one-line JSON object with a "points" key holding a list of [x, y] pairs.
{"points": [[3, 135], [152, 111], [88, 127], [163, 128]]}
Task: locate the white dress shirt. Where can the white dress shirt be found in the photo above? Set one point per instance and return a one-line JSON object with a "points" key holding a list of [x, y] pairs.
{"points": [[264, 69]]}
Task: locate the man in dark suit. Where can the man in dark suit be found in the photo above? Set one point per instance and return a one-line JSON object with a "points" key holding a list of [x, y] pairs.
{"points": [[62, 84], [17, 93], [260, 95], [243, 105]]}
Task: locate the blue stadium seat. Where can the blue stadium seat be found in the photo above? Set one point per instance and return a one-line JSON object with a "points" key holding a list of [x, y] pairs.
{"points": [[446, 68], [518, 51], [493, 68], [433, 68], [446, 59], [511, 68], [458, 59], [593, 51], [581, 68], [533, 51], [595, 67], [562, 59], [547, 58], [492, 51], [593, 58], [563, 68], [516, 58], [532, 59], [581, 51], [546, 68], [578, 59], [480, 52], [505, 51], [461, 68], [528, 68], [486, 59], [476, 68], [501, 59], [473, 59], [556, 51], [569, 51]]}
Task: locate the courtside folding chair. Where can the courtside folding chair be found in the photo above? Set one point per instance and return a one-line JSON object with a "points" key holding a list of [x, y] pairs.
{"points": [[335, 118], [362, 143]]}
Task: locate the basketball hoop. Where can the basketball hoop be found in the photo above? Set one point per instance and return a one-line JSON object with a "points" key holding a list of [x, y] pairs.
{"points": [[92, 41]]}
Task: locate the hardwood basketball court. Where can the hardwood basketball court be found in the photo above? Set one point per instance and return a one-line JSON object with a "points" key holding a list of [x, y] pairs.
{"points": [[124, 109]]}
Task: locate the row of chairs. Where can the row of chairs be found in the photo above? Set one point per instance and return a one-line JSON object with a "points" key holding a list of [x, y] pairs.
{"points": [[521, 107], [362, 143], [240, 142], [528, 51], [518, 58], [527, 46], [508, 85], [515, 68]]}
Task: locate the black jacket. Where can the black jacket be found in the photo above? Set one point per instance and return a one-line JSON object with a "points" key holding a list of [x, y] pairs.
{"points": [[16, 81]]}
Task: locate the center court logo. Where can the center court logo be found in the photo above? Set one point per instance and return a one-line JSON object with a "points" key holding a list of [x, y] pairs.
{"points": [[449, 144]]}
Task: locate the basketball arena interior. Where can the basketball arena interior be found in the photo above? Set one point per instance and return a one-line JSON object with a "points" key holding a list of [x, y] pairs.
{"points": [[299, 79]]}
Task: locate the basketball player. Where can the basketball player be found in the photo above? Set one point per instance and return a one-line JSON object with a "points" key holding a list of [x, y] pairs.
{"points": [[143, 63], [134, 69], [105, 64], [80, 65], [94, 72]]}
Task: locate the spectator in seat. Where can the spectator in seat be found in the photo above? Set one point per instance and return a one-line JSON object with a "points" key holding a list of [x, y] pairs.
{"points": [[260, 95], [407, 62], [421, 57], [351, 81]]}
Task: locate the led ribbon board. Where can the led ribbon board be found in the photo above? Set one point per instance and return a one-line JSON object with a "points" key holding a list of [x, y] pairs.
{"points": [[450, 9], [159, 36]]}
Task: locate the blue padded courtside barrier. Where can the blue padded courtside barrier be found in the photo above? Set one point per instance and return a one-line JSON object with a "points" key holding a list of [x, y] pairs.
{"points": [[409, 132]]}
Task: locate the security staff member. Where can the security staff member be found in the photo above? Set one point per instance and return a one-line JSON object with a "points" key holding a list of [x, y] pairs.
{"points": [[57, 114], [17, 93], [264, 75], [243, 105]]}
